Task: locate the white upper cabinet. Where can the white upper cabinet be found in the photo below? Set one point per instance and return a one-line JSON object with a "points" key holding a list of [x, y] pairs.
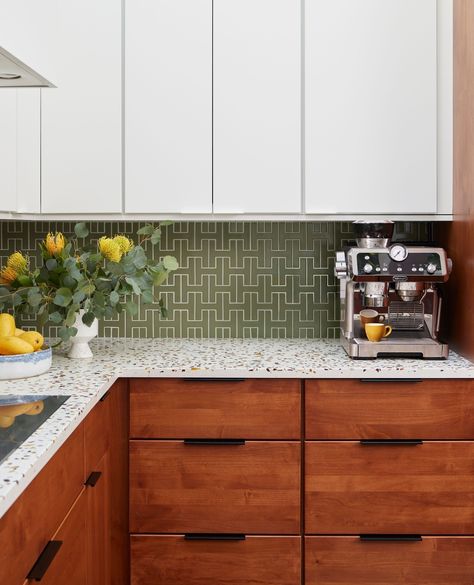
{"points": [[25, 29], [168, 106], [82, 118], [20, 150], [257, 106], [371, 106]]}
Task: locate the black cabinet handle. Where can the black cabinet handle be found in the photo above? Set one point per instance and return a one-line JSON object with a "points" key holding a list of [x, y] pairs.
{"points": [[392, 380], [44, 560], [93, 479], [214, 441], [390, 442], [213, 379], [390, 538], [204, 536]]}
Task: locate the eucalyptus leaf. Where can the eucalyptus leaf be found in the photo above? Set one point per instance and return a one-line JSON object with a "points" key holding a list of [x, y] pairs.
{"points": [[63, 297], [51, 264], [114, 297], [170, 263], [166, 222], [156, 237], [81, 231], [134, 284], [88, 318], [56, 317], [131, 308], [146, 230], [78, 296]]}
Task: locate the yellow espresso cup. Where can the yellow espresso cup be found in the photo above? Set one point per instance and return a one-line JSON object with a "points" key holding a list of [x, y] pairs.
{"points": [[377, 331]]}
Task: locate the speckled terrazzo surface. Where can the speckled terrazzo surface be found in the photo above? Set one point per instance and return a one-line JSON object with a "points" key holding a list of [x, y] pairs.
{"points": [[87, 380]]}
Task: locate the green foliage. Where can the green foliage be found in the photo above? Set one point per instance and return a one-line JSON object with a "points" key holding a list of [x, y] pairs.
{"points": [[87, 276]]}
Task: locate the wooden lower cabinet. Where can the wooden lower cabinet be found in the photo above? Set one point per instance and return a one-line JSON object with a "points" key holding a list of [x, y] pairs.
{"points": [[70, 563], [349, 561], [252, 488], [257, 560], [353, 488]]}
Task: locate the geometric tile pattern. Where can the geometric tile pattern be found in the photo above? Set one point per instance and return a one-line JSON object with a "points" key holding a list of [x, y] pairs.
{"points": [[236, 279]]}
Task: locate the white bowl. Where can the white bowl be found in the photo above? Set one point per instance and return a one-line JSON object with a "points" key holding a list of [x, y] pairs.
{"points": [[25, 365]]}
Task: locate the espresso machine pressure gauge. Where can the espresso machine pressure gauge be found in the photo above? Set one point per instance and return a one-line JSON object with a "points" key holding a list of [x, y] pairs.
{"points": [[398, 252]]}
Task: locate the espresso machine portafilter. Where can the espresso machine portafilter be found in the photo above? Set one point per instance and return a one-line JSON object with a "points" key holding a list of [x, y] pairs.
{"points": [[403, 283]]}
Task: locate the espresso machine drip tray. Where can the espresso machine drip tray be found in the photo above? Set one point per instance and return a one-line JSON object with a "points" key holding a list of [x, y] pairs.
{"points": [[410, 344], [406, 316]]}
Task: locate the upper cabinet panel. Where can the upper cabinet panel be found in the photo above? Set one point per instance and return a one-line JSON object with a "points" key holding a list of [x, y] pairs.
{"points": [[371, 106], [257, 106], [168, 106], [81, 118], [8, 143]]}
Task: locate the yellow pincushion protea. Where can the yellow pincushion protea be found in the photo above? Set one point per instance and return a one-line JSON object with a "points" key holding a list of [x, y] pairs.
{"points": [[17, 262], [8, 275], [54, 243], [126, 244], [110, 249]]}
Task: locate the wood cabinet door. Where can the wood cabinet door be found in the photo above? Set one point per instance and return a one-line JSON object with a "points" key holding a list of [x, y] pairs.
{"points": [[263, 560], [350, 561], [377, 409], [215, 409], [69, 566], [168, 106], [371, 106], [389, 489], [32, 520], [257, 106], [187, 488], [81, 119], [99, 540]]}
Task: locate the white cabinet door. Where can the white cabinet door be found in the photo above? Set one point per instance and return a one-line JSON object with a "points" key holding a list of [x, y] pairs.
{"points": [[8, 143], [20, 150], [168, 106], [257, 106], [81, 119], [371, 109]]}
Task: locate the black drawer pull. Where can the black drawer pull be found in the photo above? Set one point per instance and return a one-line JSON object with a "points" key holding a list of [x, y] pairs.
{"points": [[204, 536], [390, 538], [392, 380], [213, 379], [391, 442], [214, 441], [44, 560], [93, 479]]}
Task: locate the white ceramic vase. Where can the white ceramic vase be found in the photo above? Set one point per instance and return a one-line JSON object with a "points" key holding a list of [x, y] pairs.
{"points": [[80, 342]]}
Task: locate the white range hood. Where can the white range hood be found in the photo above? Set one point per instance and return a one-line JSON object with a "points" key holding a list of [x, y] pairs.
{"points": [[15, 73]]}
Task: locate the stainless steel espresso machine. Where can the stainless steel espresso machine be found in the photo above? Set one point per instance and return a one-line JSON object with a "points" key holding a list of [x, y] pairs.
{"points": [[401, 283]]}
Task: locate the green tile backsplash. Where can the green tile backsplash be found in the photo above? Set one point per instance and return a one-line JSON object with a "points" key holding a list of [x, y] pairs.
{"points": [[236, 279]]}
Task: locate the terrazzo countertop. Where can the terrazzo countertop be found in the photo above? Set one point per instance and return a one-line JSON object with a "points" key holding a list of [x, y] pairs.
{"points": [[87, 380]]}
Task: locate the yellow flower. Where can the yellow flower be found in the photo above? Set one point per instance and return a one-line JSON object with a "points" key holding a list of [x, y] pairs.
{"points": [[110, 249], [8, 275], [126, 244], [55, 243], [17, 262]]}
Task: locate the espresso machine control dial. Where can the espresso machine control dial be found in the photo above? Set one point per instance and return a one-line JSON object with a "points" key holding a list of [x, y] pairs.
{"points": [[431, 268], [368, 268]]}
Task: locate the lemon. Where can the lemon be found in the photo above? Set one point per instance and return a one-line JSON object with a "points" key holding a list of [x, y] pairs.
{"points": [[7, 325], [19, 332], [14, 345], [34, 338]]}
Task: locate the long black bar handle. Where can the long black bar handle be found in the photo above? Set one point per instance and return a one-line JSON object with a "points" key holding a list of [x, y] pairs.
{"points": [[391, 442], [204, 536], [214, 442], [392, 380], [44, 560], [213, 379], [93, 478], [390, 538]]}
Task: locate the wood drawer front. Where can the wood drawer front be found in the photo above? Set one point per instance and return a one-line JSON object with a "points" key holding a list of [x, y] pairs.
{"points": [[348, 561], [33, 519], [352, 409], [248, 409], [357, 489], [251, 489], [264, 560]]}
